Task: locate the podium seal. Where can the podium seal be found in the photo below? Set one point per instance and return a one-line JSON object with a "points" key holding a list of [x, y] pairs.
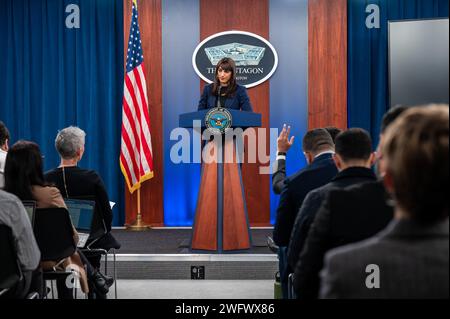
{"points": [[218, 120]]}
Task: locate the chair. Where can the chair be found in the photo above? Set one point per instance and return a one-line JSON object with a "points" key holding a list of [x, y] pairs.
{"points": [[10, 271], [100, 242], [53, 231]]}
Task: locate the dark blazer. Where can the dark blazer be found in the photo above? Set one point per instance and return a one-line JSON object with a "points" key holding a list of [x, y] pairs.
{"points": [[412, 260], [279, 176], [347, 215], [312, 202], [239, 101], [315, 175]]}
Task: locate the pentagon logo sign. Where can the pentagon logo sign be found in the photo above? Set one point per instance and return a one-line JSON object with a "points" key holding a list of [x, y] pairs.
{"points": [[256, 59]]}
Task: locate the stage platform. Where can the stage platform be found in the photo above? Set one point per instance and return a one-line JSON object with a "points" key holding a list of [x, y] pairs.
{"points": [[164, 253]]}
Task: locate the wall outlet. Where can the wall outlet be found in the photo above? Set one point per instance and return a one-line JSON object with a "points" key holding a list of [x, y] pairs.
{"points": [[197, 272]]}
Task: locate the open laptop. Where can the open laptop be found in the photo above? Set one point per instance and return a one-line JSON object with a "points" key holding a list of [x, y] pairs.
{"points": [[81, 213], [30, 207]]}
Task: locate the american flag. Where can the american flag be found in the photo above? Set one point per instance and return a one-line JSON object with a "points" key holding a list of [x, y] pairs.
{"points": [[136, 155]]}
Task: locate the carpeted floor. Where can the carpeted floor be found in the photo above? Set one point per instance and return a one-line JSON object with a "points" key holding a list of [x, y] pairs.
{"points": [[176, 241]]}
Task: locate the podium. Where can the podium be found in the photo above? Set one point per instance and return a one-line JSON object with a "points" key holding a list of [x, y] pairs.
{"points": [[221, 220]]}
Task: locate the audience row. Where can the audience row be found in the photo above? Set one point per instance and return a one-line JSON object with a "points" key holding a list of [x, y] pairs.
{"points": [[23, 179], [343, 231]]}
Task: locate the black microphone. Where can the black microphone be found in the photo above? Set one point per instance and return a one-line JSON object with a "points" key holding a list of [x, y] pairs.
{"points": [[218, 96]]}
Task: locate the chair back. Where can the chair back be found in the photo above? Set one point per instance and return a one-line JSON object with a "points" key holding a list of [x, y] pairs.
{"points": [[10, 273], [54, 233]]}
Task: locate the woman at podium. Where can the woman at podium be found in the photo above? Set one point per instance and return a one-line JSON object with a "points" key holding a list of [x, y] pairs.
{"points": [[221, 221], [224, 91]]}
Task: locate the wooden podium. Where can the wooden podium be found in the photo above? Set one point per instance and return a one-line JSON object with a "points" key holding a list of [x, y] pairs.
{"points": [[221, 219]]}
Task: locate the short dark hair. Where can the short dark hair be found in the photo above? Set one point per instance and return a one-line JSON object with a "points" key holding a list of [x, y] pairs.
{"points": [[333, 131], [391, 115], [23, 169], [353, 144], [317, 140], [4, 133], [416, 152]]}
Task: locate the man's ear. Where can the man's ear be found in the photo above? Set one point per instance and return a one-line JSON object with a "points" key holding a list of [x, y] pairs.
{"points": [[309, 157], [388, 182], [6, 145], [337, 161], [372, 158]]}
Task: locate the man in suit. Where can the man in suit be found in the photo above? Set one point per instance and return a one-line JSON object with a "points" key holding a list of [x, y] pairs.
{"points": [[353, 158], [346, 216], [409, 259], [4, 139], [284, 143], [318, 148]]}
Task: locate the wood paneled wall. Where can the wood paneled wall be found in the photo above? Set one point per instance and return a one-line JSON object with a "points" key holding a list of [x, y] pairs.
{"points": [[327, 77], [150, 23], [251, 16]]}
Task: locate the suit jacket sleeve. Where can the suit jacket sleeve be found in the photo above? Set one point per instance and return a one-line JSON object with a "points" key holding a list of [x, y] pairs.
{"points": [[279, 176], [307, 282], [302, 226], [244, 101], [203, 103], [284, 219], [329, 288]]}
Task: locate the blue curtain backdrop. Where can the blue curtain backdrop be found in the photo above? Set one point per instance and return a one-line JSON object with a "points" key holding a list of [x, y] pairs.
{"points": [[368, 97], [181, 181], [53, 77], [289, 84]]}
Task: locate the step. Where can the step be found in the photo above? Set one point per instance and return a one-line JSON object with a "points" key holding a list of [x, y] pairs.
{"points": [[180, 266]]}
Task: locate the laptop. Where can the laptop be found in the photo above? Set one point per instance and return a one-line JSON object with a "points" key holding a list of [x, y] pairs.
{"points": [[81, 213], [30, 207]]}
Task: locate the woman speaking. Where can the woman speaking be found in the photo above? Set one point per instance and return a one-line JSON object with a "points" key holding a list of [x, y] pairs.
{"points": [[225, 92]]}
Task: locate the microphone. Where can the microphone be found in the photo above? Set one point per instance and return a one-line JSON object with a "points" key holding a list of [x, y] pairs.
{"points": [[218, 96]]}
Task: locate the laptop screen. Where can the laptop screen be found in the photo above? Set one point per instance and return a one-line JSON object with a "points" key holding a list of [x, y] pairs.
{"points": [[30, 207], [81, 213]]}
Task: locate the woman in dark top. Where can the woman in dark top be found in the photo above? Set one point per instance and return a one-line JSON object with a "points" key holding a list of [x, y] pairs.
{"points": [[225, 92], [78, 183]]}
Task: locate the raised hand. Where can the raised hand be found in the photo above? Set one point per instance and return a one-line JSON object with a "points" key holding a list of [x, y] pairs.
{"points": [[283, 141]]}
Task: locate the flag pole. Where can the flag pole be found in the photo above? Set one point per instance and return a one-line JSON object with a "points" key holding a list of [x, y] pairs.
{"points": [[138, 225]]}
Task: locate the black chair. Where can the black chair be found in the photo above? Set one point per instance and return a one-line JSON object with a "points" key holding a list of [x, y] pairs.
{"points": [[10, 272], [54, 235], [101, 242]]}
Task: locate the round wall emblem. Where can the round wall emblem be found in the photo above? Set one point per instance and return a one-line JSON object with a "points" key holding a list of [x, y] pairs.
{"points": [[256, 59], [218, 120]]}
